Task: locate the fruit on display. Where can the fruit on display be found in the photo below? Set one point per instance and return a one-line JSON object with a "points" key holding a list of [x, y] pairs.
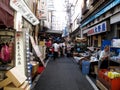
{"points": [[113, 75]]}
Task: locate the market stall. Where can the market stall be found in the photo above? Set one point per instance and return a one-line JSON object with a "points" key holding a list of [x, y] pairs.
{"points": [[109, 78]]}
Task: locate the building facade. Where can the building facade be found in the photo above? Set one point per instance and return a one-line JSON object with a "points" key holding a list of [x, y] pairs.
{"points": [[100, 20], [17, 22], [75, 19]]}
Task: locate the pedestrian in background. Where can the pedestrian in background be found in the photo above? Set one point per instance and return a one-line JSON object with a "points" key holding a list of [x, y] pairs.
{"points": [[56, 50]]}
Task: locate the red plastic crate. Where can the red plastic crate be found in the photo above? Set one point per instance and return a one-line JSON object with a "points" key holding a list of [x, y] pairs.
{"points": [[40, 69], [101, 73], [111, 84], [114, 84]]}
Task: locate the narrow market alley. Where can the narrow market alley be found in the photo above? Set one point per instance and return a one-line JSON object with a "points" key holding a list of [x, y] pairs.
{"points": [[62, 74], [59, 44]]}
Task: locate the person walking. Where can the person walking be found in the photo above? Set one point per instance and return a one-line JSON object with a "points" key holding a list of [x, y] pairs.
{"points": [[56, 50]]}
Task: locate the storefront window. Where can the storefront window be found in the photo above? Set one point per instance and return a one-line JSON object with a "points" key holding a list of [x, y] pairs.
{"points": [[6, 47], [95, 43]]}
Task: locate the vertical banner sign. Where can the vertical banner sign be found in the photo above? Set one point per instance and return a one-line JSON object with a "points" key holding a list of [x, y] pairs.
{"points": [[42, 9], [19, 57]]}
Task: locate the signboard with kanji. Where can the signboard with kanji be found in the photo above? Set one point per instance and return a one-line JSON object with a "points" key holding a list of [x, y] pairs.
{"points": [[19, 56], [102, 27]]}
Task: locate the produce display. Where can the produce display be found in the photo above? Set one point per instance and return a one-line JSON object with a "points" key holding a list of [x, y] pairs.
{"points": [[113, 75]]}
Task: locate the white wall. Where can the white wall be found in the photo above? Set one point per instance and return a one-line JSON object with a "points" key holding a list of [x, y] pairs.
{"points": [[76, 13]]}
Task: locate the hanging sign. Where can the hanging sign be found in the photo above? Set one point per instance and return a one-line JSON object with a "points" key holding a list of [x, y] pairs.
{"points": [[37, 50], [65, 32], [102, 27], [20, 6], [42, 9], [19, 56]]}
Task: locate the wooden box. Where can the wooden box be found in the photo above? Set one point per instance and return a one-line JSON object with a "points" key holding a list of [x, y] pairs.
{"points": [[13, 87], [96, 69], [2, 75], [16, 76]]}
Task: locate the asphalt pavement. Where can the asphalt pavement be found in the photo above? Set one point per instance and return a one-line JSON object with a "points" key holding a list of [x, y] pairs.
{"points": [[62, 74]]}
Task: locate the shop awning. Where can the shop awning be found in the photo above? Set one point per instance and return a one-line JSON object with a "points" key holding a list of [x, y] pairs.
{"points": [[6, 15]]}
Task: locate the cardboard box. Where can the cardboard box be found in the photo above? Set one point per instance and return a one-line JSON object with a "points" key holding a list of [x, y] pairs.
{"points": [[12, 87], [34, 69], [5, 82], [96, 69], [2, 75], [16, 76], [24, 85], [28, 87], [115, 68]]}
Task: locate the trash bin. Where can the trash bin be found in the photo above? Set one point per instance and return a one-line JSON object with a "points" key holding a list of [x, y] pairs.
{"points": [[85, 67]]}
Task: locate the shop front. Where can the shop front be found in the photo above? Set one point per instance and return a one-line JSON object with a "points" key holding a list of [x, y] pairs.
{"points": [[97, 33], [23, 66], [109, 13], [102, 27], [7, 38]]}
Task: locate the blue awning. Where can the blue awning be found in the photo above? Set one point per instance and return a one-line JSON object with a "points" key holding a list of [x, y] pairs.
{"points": [[101, 11]]}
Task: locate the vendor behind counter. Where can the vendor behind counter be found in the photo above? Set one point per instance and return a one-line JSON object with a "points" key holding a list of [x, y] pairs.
{"points": [[86, 56], [104, 56]]}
